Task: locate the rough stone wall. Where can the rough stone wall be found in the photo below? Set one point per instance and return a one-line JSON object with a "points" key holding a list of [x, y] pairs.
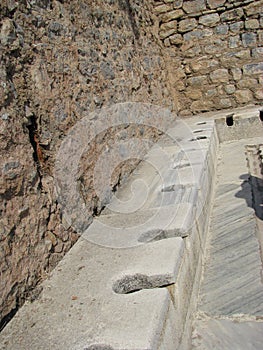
{"points": [[214, 52], [59, 61]]}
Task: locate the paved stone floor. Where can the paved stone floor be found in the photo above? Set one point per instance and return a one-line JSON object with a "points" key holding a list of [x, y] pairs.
{"points": [[230, 310]]}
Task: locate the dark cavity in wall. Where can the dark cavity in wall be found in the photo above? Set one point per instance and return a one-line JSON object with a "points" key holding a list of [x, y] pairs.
{"points": [[33, 138], [229, 120], [4, 321]]}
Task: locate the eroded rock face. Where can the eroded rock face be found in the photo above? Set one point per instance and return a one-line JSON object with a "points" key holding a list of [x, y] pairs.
{"points": [[60, 61]]}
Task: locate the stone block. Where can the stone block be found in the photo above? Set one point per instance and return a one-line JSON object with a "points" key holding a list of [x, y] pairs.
{"points": [[231, 15], [171, 15], [243, 96], [213, 4], [258, 93], [230, 89], [253, 68], [194, 94], [193, 6], [168, 25], [236, 27], [198, 34], [236, 73], [257, 52], [254, 8], [209, 20], [222, 29], [234, 42], [225, 103], [201, 106], [187, 24], [252, 24], [249, 83], [176, 39], [219, 76], [203, 65], [249, 39], [198, 81], [162, 9], [166, 33]]}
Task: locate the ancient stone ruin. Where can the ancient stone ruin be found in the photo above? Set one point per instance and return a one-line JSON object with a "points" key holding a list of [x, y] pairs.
{"points": [[131, 174]]}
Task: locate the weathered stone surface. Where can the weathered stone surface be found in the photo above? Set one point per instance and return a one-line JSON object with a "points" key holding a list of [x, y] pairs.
{"points": [[162, 9], [236, 27], [219, 76], [257, 52], [171, 15], [236, 73], [252, 24], [258, 93], [168, 26], [56, 67], [213, 4], [198, 34], [243, 96], [193, 6], [234, 42], [201, 106], [254, 8], [176, 39], [247, 83], [209, 20], [231, 15], [249, 39], [230, 89], [198, 80], [222, 29], [187, 24], [166, 33], [253, 68], [203, 65]]}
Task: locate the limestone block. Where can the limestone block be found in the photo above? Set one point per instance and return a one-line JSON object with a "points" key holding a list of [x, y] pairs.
{"points": [[253, 68], [234, 42], [198, 81], [201, 106], [252, 24], [198, 34], [187, 24], [257, 52], [171, 15], [204, 64], [161, 9], [169, 25], [236, 27], [166, 33], [249, 83], [225, 103], [209, 20], [219, 76], [236, 73], [176, 39], [231, 15], [230, 89], [243, 96], [215, 3], [193, 6], [254, 8], [249, 39], [258, 93], [222, 29]]}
